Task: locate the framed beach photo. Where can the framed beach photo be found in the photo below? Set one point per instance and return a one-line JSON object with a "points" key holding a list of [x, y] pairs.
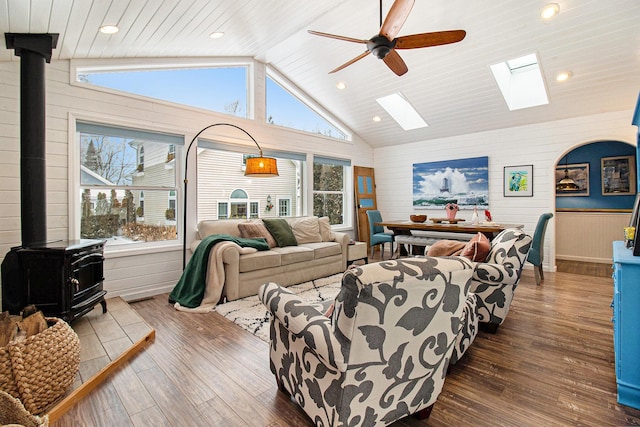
{"points": [[518, 181], [618, 175]]}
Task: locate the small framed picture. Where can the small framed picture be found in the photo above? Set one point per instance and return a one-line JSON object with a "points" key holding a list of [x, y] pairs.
{"points": [[575, 174], [518, 181], [618, 176]]}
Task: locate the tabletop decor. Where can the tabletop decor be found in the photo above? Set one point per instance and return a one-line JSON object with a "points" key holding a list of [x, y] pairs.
{"points": [[451, 209], [518, 181]]}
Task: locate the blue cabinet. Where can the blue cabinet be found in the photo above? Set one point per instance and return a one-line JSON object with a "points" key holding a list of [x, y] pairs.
{"points": [[626, 323]]}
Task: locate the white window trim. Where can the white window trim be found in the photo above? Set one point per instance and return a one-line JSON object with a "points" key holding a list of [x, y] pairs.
{"points": [[277, 205], [73, 185], [311, 104], [80, 66]]}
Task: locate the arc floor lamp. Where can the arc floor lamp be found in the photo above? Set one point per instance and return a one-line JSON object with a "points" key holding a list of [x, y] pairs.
{"points": [[259, 167]]}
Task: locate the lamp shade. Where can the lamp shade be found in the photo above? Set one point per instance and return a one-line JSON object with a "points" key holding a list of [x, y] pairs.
{"points": [[261, 167], [566, 183]]}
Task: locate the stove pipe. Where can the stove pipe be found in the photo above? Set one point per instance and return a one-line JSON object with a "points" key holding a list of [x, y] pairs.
{"points": [[34, 50]]}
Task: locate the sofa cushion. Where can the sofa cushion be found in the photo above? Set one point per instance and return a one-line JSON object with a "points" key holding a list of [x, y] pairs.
{"points": [[281, 231], [446, 248], [324, 249], [294, 254], [220, 226], [306, 230], [252, 230], [325, 229], [477, 249], [259, 261]]}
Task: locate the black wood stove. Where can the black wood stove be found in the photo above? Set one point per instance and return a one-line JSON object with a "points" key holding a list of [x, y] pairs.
{"points": [[63, 279]]}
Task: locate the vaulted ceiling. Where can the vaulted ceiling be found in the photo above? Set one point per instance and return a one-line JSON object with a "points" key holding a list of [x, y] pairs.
{"points": [[451, 86]]}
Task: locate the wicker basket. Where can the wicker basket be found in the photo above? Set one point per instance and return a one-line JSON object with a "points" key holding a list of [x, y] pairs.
{"points": [[40, 369], [13, 413]]}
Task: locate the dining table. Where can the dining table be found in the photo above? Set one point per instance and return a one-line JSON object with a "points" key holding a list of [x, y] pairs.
{"points": [[489, 229]]}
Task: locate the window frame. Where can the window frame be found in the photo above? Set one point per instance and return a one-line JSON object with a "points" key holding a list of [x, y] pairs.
{"points": [[347, 194], [75, 186]]}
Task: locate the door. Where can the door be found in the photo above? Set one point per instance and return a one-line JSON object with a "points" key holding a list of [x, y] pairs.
{"points": [[365, 197]]}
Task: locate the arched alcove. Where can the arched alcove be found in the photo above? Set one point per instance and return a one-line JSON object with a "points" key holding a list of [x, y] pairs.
{"points": [[588, 221]]}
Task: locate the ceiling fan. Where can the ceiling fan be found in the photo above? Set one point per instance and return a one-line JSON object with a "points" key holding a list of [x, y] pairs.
{"points": [[384, 44]]}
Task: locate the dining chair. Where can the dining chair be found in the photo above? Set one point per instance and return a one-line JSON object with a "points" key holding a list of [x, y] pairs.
{"points": [[536, 252], [377, 235]]}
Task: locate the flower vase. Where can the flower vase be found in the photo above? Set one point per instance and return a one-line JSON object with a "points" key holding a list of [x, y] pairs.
{"points": [[451, 210]]}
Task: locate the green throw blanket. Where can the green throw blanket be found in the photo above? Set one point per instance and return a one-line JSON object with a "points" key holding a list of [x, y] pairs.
{"points": [[189, 290]]}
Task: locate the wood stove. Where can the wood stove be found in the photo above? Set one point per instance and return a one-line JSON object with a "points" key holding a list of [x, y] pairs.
{"points": [[63, 279]]}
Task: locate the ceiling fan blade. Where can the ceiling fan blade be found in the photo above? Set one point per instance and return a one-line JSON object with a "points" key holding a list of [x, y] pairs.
{"points": [[430, 39], [395, 18], [357, 58], [333, 36], [396, 63]]}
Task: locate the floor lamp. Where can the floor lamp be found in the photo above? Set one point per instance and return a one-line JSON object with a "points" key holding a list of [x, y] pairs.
{"points": [[259, 167]]}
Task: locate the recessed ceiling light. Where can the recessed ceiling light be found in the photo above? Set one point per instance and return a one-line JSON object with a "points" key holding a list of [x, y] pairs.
{"points": [[377, 119], [564, 76], [109, 29], [550, 10], [216, 35], [341, 85]]}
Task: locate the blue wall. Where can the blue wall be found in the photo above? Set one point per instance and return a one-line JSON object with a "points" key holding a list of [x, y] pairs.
{"points": [[592, 154]]}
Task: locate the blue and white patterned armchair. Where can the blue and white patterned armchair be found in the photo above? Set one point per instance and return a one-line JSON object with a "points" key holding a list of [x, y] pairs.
{"points": [[495, 280], [383, 353]]}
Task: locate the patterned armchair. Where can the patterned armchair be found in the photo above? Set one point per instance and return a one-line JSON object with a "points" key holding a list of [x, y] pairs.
{"points": [[384, 351], [495, 280]]}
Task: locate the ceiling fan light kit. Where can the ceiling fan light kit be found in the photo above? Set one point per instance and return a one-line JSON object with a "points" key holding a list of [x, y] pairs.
{"points": [[384, 44]]}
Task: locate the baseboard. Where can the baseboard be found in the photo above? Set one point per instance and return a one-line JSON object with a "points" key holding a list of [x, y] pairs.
{"points": [[585, 259]]}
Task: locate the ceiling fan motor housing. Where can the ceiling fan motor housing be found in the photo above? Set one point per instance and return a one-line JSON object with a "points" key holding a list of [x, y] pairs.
{"points": [[380, 46]]}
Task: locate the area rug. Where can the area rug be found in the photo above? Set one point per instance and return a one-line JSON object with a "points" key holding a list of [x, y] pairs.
{"points": [[250, 314]]}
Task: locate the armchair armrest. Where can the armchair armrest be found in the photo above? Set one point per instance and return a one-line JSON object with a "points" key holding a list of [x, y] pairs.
{"points": [[305, 322], [504, 274]]}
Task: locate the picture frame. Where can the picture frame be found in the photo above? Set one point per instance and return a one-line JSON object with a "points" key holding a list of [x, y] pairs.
{"points": [[618, 175], [579, 173], [464, 182], [518, 181]]}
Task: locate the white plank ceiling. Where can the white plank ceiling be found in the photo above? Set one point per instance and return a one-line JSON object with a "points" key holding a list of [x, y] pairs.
{"points": [[451, 86]]}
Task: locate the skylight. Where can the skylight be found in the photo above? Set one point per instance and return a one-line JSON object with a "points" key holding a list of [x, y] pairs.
{"points": [[521, 83], [402, 111]]}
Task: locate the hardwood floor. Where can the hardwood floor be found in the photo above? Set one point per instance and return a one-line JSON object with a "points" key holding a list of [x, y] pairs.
{"points": [[550, 363]]}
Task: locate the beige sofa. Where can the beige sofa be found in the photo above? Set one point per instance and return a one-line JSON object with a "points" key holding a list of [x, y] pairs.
{"points": [[317, 254]]}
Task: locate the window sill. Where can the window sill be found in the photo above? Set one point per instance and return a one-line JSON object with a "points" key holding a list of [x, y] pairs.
{"points": [[141, 249]]}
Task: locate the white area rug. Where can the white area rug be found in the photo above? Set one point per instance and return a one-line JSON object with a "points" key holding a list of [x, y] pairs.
{"points": [[250, 314]]}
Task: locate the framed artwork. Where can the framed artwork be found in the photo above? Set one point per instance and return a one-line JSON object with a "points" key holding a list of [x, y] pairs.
{"points": [[618, 176], [579, 173], [518, 181], [461, 181]]}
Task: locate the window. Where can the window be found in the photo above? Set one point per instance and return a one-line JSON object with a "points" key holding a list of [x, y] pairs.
{"points": [[119, 200], [521, 82], [284, 207], [285, 109], [222, 88], [329, 192], [224, 191]]}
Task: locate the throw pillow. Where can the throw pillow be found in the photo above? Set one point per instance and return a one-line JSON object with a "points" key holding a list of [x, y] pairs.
{"points": [[325, 229], [251, 230], [306, 230], [446, 248], [477, 249], [281, 231]]}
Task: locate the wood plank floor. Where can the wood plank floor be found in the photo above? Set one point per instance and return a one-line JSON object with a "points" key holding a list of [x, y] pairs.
{"points": [[551, 363]]}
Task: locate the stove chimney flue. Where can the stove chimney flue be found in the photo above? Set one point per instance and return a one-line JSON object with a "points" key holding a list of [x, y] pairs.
{"points": [[34, 50]]}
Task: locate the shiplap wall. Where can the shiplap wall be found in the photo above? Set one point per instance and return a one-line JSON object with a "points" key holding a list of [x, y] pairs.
{"points": [[131, 273], [540, 145]]}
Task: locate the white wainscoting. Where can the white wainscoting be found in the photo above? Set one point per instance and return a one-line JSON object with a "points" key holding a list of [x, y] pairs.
{"points": [[588, 236]]}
